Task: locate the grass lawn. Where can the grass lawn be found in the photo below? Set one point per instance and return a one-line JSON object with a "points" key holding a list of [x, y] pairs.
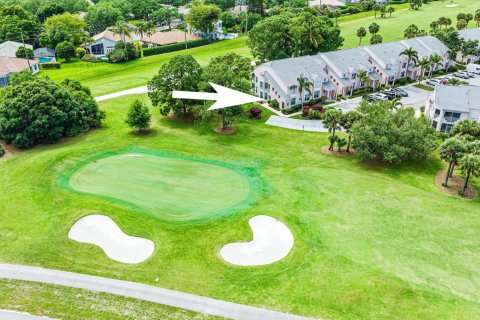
{"points": [[391, 29], [371, 242], [59, 302], [104, 78]]}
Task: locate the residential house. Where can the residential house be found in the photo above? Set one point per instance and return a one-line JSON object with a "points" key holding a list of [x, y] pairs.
{"points": [[104, 42], [344, 66], [278, 80], [9, 48], [333, 4], [472, 35], [9, 65], [450, 104], [168, 37], [382, 63], [387, 60]]}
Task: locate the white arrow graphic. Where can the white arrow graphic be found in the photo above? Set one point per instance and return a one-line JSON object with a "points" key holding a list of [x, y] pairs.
{"points": [[224, 97]]}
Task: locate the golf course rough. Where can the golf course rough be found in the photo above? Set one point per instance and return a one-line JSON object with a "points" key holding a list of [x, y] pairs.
{"points": [[170, 187]]}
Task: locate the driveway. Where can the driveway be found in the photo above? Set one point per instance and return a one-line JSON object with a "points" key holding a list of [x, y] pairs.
{"points": [[14, 315]]}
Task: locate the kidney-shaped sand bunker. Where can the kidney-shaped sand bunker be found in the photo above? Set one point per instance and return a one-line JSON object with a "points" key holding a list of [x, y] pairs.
{"points": [[170, 188]]}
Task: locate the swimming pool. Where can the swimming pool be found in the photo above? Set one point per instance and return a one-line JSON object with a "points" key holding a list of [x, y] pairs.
{"points": [[45, 60], [229, 36]]}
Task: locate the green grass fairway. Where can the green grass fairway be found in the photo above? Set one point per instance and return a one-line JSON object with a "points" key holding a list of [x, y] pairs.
{"points": [[391, 29], [157, 185], [371, 242], [104, 78]]}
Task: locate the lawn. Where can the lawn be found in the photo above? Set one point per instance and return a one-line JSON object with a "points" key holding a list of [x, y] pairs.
{"points": [[371, 241], [104, 78], [391, 29]]}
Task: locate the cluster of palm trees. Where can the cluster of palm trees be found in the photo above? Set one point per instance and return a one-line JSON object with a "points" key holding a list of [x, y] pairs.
{"points": [[462, 149], [334, 120], [383, 9], [431, 63]]}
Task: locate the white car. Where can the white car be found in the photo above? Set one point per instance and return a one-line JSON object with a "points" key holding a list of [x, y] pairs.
{"points": [[382, 96], [433, 82], [462, 75]]}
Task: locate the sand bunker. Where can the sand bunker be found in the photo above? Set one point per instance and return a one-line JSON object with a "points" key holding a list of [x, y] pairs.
{"points": [[453, 5], [272, 241], [104, 232]]}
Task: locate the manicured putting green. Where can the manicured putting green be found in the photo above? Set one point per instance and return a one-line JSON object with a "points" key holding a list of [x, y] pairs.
{"points": [[170, 188]]}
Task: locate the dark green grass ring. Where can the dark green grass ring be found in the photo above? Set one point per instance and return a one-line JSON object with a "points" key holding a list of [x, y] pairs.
{"points": [[171, 187]]}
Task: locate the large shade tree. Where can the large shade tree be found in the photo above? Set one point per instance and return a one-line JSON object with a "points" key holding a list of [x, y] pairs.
{"points": [[63, 27], [16, 22], [202, 17], [37, 110], [181, 73]]}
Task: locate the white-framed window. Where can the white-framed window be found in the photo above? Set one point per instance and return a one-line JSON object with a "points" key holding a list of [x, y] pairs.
{"points": [[293, 90], [317, 84], [316, 94]]}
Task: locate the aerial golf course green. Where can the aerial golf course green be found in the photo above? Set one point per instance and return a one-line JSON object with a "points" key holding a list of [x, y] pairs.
{"points": [[371, 242]]}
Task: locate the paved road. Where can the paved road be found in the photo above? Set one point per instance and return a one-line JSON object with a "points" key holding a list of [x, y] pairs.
{"points": [[172, 298], [14, 315], [296, 124]]}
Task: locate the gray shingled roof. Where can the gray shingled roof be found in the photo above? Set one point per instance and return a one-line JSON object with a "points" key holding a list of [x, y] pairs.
{"points": [[470, 34], [461, 98], [289, 69]]}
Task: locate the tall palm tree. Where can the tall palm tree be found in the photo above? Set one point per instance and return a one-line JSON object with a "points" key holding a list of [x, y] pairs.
{"points": [[303, 84], [347, 120], [477, 17], [331, 120], [411, 55], [435, 61], [451, 150], [454, 82], [122, 29], [470, 167], [150, 30], [423, 64], [363, 77], [141, 28]]}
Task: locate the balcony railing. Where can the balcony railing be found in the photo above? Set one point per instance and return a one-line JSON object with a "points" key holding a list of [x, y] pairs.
{"points": [[451, 119]]}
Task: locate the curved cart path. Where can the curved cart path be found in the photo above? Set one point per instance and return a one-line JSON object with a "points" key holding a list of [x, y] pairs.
{"points": [[154, 294], [15, 315]]}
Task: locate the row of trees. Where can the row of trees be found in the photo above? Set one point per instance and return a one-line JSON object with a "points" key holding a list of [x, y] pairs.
{"points": [[184, 73], [374, 29], [462, 149], [380, 131]]}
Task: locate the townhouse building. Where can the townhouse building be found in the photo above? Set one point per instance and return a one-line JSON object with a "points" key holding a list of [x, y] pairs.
{"points": [[338, 72], [469, 35], [451, 104]]}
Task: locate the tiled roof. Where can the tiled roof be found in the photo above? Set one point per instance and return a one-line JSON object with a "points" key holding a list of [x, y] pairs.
{"points": [[458, 98], [169, 37], [8, 65]]}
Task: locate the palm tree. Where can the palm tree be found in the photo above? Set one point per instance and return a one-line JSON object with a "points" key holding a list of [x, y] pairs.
{"points": [[477, 17], [435, 60], [331, 121], [469, 129], [411, 55], [423, 64], [395, 104], [470, 167], [390, 10], [442, 21], [141, 28], [337, 14], [451, 150], [341, 142], [361, 33], [150, 30], [364, 78], [454, 82], [303, 84], [122, 29], [347, 120], [375, 8]]}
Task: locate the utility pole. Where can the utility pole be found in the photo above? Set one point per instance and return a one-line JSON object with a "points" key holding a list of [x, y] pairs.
{"points": [[246, 18], [26, 54]]}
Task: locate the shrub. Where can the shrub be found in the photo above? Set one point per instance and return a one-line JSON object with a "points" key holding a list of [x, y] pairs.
{"points": [[80, 52], [117, 55], [2, 150], [255, 113], [138, 116], [274, 104], [21, 53], [122, 52], [50, 66], [314, 114], [306, 110], [89, 58], [174, 47], [65, 50]]}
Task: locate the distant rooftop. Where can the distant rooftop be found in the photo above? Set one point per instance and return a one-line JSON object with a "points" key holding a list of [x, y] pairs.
{"points": [[9, 65], [470, 34]]}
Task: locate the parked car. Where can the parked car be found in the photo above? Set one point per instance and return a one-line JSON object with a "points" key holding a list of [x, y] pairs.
{"points": [[461, 75], [370, 98], [400, 92], [470, 74], [475, 68], [383, 97], [433, 82], [390, 94]]}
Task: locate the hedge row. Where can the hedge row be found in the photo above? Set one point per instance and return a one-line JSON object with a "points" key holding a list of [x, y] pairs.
{"points": [[174, 47], [50, 65]]}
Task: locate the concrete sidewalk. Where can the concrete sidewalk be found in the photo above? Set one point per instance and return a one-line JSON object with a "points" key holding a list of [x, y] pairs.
{"points": [[139, 90], [140, 291], [296, 124], [15, 315]]}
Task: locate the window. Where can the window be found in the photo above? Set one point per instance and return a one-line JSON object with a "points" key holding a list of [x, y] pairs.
{"points": [[261, 85], [293, 101], [261, 95], [434, 124], [451, 116], [437, 112], [316, 94], [293, 90], [354, 76], [318, 83], [402, 75], [307, 97], [404, 65], [446, 128]]}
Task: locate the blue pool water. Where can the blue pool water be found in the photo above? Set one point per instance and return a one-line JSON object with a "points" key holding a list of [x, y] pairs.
{"points": [[229, 36], [102, 57], [45, 60]]}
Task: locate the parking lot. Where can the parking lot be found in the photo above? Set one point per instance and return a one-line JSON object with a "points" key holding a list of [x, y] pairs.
{"points": [[416, 96]]}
